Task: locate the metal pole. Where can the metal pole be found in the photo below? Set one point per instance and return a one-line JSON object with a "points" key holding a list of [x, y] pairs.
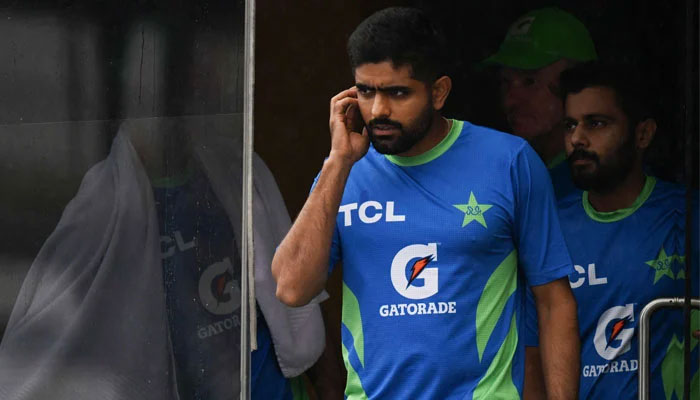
{"points": [[644, 329], [689, 109], [248, 315]]}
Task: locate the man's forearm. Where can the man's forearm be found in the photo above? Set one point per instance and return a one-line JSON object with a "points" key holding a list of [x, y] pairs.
{"points": [[560, 349], [533, 384], [300, 263], [328, 374]]}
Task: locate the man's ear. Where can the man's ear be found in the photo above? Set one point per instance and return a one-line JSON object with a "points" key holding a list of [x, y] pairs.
{"points": [[441, 89], [644, 133]]}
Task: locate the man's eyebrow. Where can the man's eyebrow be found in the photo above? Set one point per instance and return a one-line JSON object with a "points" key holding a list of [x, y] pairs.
{"points": [[598, 116], [394, 89], [383, 89]]}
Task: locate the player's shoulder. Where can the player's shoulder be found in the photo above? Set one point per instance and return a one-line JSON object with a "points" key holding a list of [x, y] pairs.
{"points": [[497, 145], [493, 138], [670, 194], [570, 200], [667, 187], [570, 206]]}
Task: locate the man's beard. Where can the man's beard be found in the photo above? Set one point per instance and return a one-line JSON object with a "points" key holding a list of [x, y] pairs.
{"points": [[604, 177], [408, 136]]}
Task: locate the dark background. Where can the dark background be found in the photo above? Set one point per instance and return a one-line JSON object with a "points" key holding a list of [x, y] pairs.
{"points": [[301, 63], [71, 70]]}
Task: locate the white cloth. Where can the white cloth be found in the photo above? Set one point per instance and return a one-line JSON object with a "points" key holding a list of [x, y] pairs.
{"points": [[90, 319], [297, 332]]}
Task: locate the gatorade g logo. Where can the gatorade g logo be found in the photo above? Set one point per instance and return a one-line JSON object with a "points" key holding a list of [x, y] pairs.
{"points": [[614, 332], [219, 292], [411, 271]]}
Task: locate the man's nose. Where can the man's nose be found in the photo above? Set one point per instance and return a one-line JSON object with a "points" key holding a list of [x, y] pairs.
{"points": [[578, 137], [380, 106]]}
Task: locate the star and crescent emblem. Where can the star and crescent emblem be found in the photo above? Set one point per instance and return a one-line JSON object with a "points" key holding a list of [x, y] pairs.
{"points": [[473, 211]]}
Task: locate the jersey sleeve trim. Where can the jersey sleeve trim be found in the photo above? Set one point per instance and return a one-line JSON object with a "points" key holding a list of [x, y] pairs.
{"points": [[545, 277]]}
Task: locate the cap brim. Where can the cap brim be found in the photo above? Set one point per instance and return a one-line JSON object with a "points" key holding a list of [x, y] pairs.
{"points": [[520, 58]]}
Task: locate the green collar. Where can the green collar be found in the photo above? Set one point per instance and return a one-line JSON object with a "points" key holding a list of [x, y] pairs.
{"points": [[558, 159], [433, 153], [617, 215], [169, 182]]}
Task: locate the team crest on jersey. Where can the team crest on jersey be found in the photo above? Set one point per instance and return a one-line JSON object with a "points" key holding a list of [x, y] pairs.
{"points": [[663, 266], [473, 211], [414, 275]]}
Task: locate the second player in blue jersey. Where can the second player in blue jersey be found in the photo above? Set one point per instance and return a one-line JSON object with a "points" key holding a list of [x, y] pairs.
{"points": [[626, 235]]}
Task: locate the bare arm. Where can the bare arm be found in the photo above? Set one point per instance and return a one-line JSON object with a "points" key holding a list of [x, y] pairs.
{"points": [[300, 264], [533, 387], [328, 374], [559, 339]]}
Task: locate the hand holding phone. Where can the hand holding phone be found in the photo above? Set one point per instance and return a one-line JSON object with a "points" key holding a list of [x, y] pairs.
{"points": [[353, 119], [349, 138]]}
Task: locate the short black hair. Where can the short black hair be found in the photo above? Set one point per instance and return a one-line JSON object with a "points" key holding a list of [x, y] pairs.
{"points": [[634, 95], [404, 36]]}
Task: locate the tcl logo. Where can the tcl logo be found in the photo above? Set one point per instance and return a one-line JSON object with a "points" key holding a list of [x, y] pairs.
{"points": [[370, 212], [613, 335], [593, 278]]}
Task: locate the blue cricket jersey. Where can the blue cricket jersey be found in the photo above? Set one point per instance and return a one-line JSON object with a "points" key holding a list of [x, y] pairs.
{"points": [[623, 260], [435, 250], [201, 270], [564, 187]]}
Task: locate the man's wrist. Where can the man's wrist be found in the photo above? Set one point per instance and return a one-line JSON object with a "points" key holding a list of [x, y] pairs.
{"points": [[338, 162]]}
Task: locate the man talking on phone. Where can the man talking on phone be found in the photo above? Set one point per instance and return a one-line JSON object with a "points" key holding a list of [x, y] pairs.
{"points": [[438, 223]]}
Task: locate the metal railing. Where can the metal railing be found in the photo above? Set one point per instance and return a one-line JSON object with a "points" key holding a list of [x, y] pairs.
{"points": [[248, 314], [644, 335]]}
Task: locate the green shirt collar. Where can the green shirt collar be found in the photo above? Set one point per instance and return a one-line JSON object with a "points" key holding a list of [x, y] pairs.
{"points": [[558, 159], [433, 153], [173, 181], [617, 215]]}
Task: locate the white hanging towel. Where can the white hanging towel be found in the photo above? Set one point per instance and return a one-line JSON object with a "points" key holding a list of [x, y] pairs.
{"points": [[90, 319]]}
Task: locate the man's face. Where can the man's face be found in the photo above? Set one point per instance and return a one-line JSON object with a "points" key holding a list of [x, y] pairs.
{"points": [[599, 142], [396, 108], [529, 99]]}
